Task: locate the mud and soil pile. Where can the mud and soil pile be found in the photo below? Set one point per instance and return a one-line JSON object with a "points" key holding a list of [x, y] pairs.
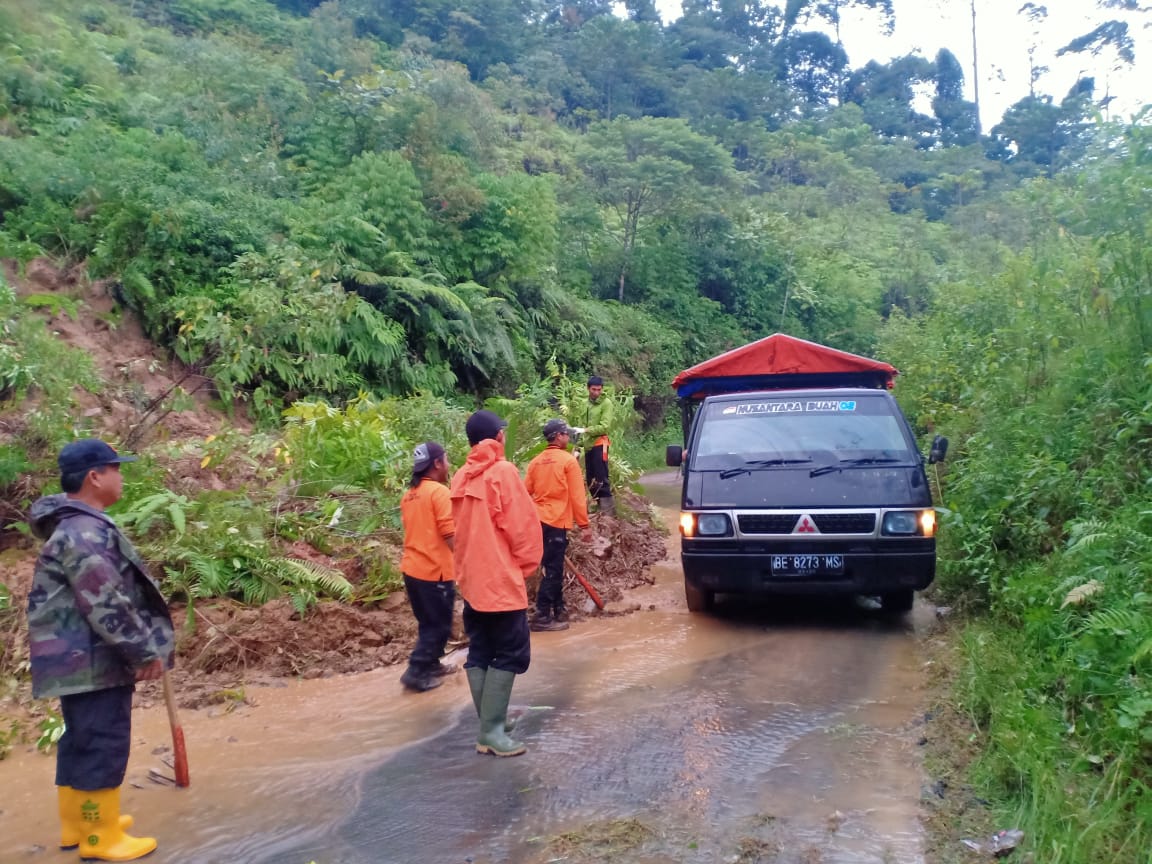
{"points": [[228, 643], [225, 644], [636, 544]]}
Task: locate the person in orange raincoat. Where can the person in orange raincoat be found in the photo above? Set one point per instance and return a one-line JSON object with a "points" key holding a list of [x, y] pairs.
{"points": [[426, 511], [498, 545], [555, 484]]}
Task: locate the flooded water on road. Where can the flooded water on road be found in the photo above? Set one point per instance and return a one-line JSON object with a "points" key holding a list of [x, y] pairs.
{"points": [[765, 732]]}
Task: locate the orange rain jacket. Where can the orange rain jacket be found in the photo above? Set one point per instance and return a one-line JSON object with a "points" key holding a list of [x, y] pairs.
{"points": [[498, 541], [426, 512], [556, 485]]}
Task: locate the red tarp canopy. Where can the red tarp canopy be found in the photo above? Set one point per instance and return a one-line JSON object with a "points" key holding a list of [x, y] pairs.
{"points": [[778, 362]]}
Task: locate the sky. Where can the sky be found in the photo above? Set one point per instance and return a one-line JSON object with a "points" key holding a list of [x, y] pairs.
{"points": [[1003, 40]]}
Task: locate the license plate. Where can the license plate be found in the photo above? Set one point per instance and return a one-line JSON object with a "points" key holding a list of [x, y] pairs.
{"points": [[807, 565]]}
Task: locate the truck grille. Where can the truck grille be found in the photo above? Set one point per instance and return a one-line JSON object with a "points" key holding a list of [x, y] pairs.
{"points": [[828, 523], [768, 524], [845, 523]]}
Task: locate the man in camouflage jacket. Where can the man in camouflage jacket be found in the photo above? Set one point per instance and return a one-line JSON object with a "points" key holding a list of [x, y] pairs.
{"points": [[97, 624]]}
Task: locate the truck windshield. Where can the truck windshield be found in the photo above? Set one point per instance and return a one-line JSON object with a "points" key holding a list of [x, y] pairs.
{"points": [[783, 428]]}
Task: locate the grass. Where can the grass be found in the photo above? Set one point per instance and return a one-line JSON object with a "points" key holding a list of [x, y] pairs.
{"points": [[601, 840], [951, 808]]}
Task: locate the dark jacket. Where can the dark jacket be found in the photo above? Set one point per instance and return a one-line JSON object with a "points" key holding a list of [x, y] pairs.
{"points": [[94, 614]]}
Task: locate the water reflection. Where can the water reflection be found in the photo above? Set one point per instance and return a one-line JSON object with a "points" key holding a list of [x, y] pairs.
{"points": [[774, 721]]}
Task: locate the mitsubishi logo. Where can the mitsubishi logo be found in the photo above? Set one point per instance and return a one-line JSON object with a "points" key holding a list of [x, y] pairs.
{"points": [[805, 526]]}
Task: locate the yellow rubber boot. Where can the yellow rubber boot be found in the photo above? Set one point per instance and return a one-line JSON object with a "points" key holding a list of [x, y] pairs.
{"points": [[71, 827], [102, 836]]}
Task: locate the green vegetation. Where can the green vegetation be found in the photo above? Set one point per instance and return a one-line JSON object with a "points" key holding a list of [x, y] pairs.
{"points": [[51, 730], [362, 220], [1043, 376], [312, 206], [333, 480]]}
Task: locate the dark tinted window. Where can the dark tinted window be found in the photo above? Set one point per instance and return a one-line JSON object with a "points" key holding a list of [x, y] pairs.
{"points": [[789, 427]]}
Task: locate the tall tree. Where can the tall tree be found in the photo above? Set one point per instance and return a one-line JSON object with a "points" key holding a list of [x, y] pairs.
{"points": [[623, 62], [642, 11], [1037, 132], [1037, 15], [813, 65], [721, 33], [648, 168], [886, 92], [830, 10], [957, 116], [975, 67]]}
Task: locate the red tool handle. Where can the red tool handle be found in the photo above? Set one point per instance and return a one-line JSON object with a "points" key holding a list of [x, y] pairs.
{"points": [[585, 584], [180, 752]]}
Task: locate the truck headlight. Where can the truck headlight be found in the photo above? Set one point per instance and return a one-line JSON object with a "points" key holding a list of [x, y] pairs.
{"points": [[705, 524], [909, 523], [712, 524]]}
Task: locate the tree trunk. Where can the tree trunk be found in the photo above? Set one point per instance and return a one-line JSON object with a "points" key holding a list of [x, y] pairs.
{"points": [[975, 70]]}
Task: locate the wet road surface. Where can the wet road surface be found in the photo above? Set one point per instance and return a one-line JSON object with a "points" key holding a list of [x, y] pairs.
{"points": [[765, 732]]}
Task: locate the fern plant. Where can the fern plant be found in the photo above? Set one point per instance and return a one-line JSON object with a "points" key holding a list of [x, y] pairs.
{"points": [[229, 550], [164, 509]]}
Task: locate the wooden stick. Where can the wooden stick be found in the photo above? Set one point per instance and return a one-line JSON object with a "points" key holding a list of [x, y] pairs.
{"points": [[179, 751]]}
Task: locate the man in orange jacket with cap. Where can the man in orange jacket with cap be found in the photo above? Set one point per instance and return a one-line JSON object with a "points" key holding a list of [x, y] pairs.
{"points": [[555, 484], [497, 546]]}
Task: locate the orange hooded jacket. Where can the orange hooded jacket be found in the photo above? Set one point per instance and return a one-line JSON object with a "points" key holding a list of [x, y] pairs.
{"points": [[556, 485], [498, 540]]}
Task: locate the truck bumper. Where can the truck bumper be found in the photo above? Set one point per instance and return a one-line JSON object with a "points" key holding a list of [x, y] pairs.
{"points": [[737, 571]]}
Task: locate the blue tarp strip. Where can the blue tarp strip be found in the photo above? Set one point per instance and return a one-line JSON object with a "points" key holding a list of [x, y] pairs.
{"points": [[700, 387]]}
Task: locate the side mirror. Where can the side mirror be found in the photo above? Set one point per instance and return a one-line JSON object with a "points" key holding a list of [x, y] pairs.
{"points": [[673, 455], [939, 450]]}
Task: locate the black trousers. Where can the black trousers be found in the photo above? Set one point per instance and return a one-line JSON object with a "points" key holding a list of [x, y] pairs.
{"points": [[432, 605], [497, 640], [596, 470], [93, 751], [550, 597]]}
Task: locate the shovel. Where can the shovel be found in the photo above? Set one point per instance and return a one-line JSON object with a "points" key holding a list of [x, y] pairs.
{"points": [[179, 751]]}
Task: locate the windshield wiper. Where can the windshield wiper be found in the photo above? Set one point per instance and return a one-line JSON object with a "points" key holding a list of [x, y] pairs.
{"points": [[758, 464], [867, 460]]}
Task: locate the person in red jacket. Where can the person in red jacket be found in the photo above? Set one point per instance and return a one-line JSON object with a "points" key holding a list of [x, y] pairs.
{"points": [[497, 546], [426, 511], [554, 482]]}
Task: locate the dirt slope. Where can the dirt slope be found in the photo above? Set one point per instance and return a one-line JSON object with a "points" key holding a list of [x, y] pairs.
{"points": [[226, 644]]}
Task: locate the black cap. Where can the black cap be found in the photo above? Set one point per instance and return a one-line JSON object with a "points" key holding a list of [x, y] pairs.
{"points": [[82, 456], [425, 455], [483, 425], [595, 381], [555, 427]]}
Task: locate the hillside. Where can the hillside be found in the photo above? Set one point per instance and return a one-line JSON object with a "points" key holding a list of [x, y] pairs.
{"points": [[155, 406], [272, 245], [380, 200]]}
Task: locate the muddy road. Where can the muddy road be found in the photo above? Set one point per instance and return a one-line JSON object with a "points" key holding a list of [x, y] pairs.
{"points": [[764, 732]]}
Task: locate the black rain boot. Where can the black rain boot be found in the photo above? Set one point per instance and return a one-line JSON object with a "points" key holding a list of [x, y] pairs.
{"points": [[419, 680], [547, 624]]}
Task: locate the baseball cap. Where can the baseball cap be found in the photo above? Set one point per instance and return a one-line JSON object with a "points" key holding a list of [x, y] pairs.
{"points": [[425, 455], [555, 427], [483, 425], [81, 456]]}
